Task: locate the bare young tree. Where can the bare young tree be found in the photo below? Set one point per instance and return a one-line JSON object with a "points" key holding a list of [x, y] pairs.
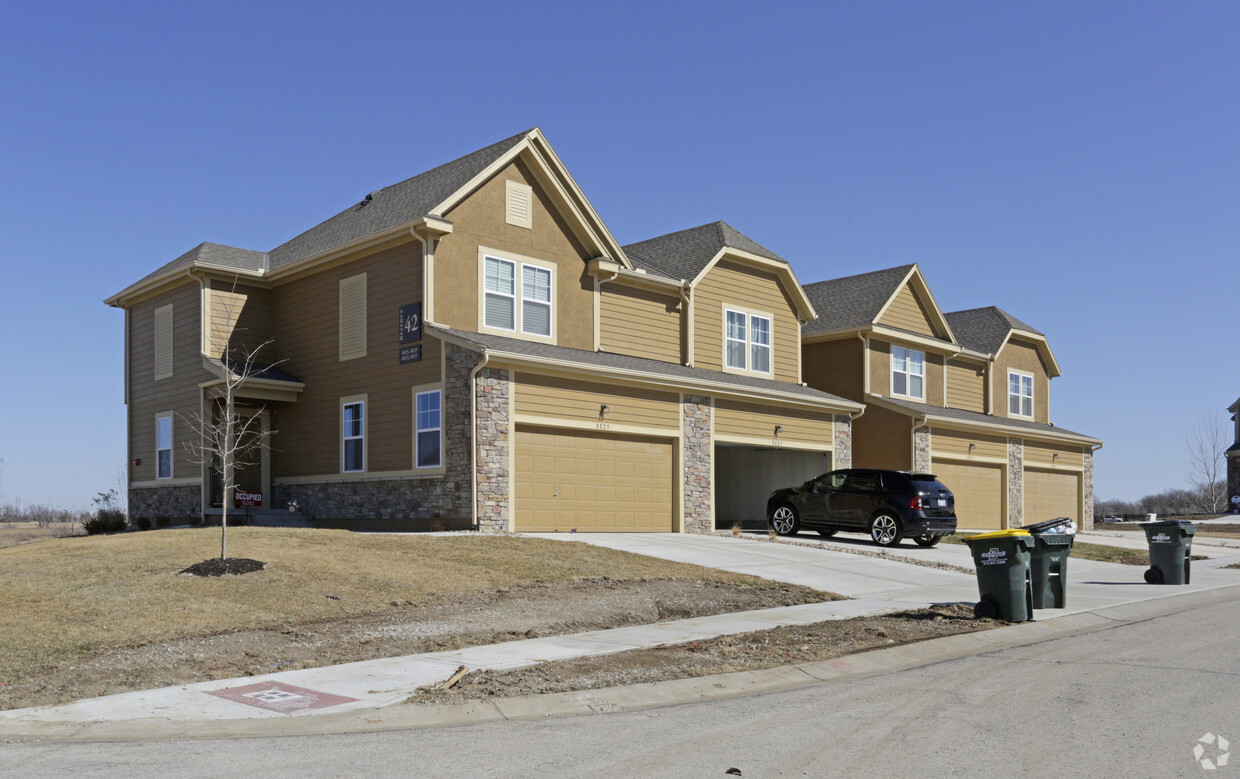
{"points": [[227, 439], [1205, 446]]}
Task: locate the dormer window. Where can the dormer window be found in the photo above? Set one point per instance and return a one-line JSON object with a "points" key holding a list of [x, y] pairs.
{"points": [[747, 341], [1020, 394], [908, 373]]}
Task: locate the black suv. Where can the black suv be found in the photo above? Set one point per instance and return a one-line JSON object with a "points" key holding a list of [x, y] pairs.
{"points": [[888, 505]]}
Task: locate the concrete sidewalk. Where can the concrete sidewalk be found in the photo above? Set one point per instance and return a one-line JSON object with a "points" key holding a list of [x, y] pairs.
{"points": [[876, 585]]}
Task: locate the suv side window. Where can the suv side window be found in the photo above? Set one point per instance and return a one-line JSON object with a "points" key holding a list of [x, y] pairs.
{"points": [[831, 481], [866, 481]]}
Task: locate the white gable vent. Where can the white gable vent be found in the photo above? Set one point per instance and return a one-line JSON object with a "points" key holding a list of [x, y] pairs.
{"points": [[519, 208]]}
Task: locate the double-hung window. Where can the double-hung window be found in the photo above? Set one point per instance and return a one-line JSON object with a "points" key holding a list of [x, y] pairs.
{"points": [[1020, 394], [163, 446], [517, 296], [353, 437], [908, 372], [747, 341], [428, 418]]}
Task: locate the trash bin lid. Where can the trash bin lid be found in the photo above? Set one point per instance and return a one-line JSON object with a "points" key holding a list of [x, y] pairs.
{"points": [[997, 534], [1042, 527], [1169, 523]]}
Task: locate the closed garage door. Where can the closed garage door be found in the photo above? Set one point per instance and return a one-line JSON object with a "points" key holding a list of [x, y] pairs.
{"points": [[979, 493], [568, 480], [1050, 494]]}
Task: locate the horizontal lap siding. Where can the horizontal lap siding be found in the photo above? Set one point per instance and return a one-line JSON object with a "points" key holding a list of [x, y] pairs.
{"points": [[307, 318], [1021, 356], [1044, 454], [966, 386], [640, 323], [580, 401], [178, 393], [732, 284], [950, 442], [907, 313], [751, 420]]}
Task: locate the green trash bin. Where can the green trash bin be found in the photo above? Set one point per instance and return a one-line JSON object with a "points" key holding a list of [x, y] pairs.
{"points": [[1002, 560], [1048, 562], [1171, 543]]}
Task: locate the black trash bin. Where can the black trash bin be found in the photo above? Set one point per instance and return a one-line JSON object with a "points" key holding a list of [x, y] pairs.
{"points": [[1048, 562], [1171, 543], [1002, 560]]}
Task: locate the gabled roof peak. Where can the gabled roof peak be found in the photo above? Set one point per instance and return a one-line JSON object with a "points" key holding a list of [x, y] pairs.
{"points": [[684, 253]]}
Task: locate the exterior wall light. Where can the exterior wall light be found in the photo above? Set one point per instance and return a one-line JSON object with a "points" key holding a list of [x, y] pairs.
{"points": [[778, 429], [603, 410]]}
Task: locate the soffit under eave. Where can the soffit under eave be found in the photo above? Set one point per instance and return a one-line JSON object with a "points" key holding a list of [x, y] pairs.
{"points": [[559, 184], [788, 278], [921, 291]]}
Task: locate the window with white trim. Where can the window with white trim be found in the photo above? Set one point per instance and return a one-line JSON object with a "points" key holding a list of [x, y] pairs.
{"points": [[532, 312], [908, 372], [353, 437], [163, 446], [428, 421], [747, 341], [1020, 394]]}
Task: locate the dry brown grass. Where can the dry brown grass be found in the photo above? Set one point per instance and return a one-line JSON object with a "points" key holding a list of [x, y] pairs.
{"points": [[18, 533], [69, 597]]}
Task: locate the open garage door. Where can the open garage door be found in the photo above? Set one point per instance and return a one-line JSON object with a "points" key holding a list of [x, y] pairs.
{"points": [[1051, 494], [979, 490], [746, 475], [572, 480]]}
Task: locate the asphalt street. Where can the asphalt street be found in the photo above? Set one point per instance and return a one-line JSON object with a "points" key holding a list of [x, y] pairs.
{"points": [[1129, 700]]}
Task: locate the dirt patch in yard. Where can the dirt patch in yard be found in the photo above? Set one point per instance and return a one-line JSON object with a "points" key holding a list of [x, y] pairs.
{"points": [[446, 622], [726, 654]]}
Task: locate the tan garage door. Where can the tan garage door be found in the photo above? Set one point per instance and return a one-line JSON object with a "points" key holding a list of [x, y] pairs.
{"points": [[979, 493], [569, 480], [1050, 494]]}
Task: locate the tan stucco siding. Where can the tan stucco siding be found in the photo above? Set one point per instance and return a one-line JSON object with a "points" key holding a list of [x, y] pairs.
{"points": [[731, 284], [880, 373], [479, 221], [307, 322], [966, 385], [640, 323], [178, 393], [554, 397], [882, 439], [1037, 453], [837, 367], [957, 443], [1021, 356], [239, 316], [907, 313], [734, 418]]}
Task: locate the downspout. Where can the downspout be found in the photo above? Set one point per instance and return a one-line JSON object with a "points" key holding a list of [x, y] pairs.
{"points": [[865, 363], [473, 434], [686, 292], [203, 469], [598, 309]]}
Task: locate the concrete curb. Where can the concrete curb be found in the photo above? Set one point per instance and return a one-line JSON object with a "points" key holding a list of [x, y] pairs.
{"points": [[634, 697]]}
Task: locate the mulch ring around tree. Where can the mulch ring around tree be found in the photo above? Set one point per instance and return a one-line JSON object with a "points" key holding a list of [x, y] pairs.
{"points": [[227, 566]]}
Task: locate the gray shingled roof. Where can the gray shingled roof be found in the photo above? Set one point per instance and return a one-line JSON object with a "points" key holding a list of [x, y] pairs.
{"points": [[974, 416], [984, 329], [392, 206], [213, 254], [853, 301], [683, 254], [626, 363]]}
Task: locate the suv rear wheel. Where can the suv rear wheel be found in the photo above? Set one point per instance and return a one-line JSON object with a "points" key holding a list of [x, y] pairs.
{"points": [[885, 530], [784, 520]]}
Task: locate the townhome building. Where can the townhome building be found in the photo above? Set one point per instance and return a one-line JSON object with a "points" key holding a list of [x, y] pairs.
{"points": [[964, 395], [472, 348]]}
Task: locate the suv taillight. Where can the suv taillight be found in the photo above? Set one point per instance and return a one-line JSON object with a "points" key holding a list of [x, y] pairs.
{"points": [[915, 503]]}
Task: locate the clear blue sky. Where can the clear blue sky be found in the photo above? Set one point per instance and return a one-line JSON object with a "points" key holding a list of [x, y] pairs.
{"points": [[1074, 163]]}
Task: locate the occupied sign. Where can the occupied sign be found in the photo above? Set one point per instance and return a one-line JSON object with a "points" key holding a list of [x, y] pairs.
{"points": [[248, 498]]}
